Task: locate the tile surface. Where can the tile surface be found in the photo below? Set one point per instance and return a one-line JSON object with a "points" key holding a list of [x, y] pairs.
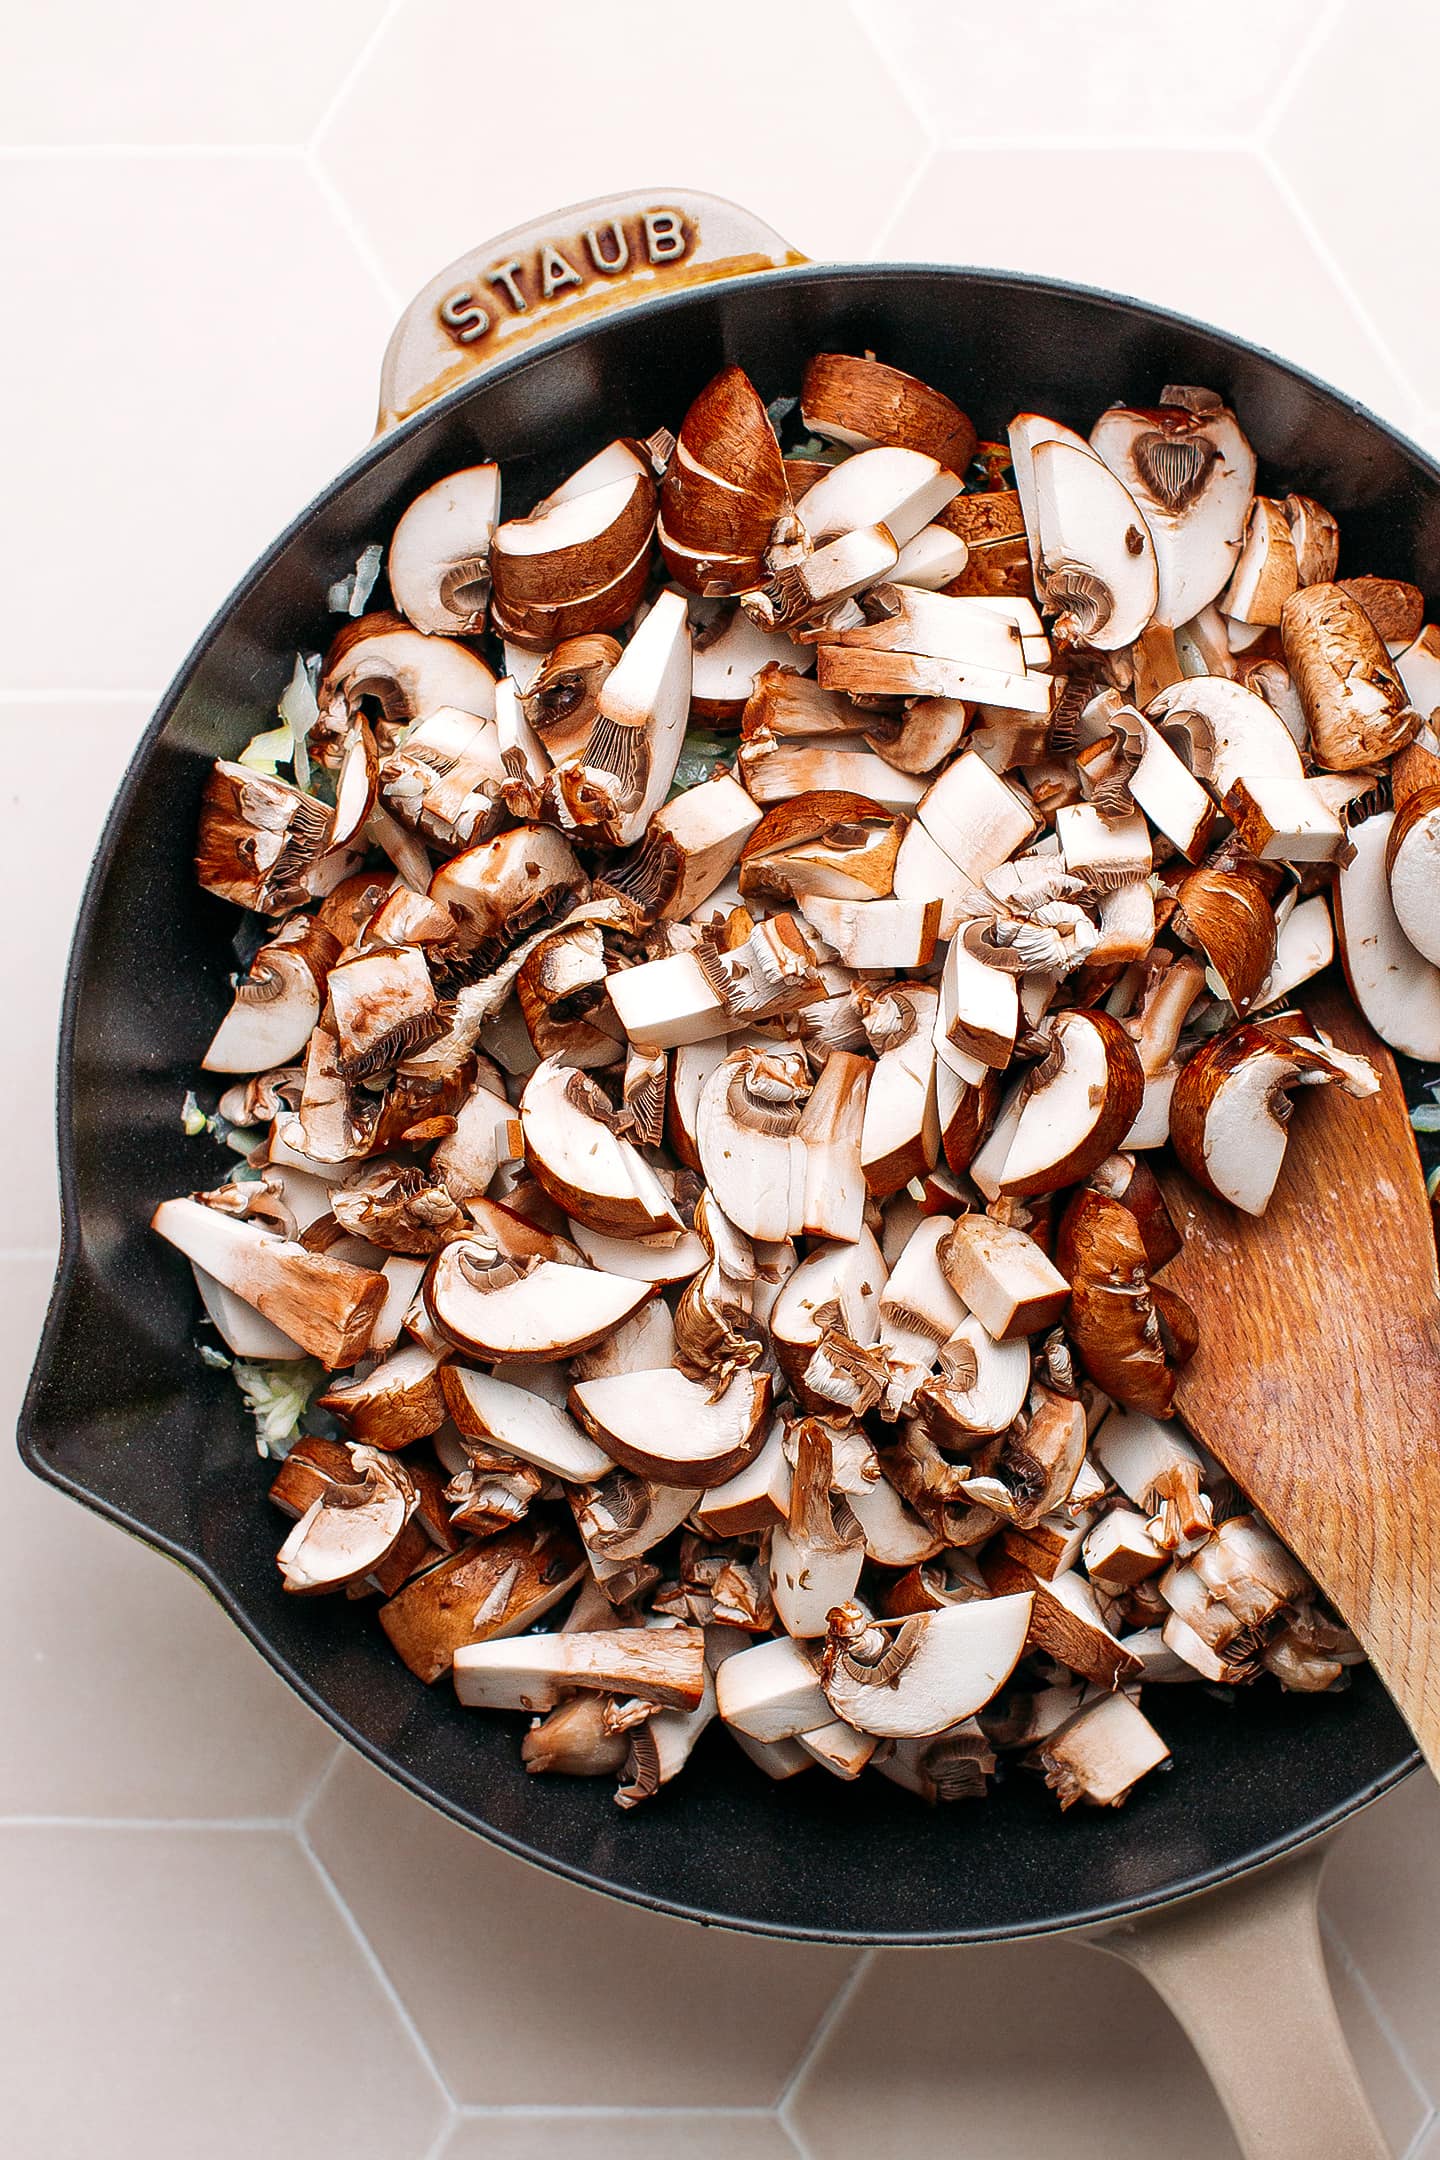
{"points": [[207, 220], [577, 2000], [674, 97], [222, 2003], [124, 1691]]}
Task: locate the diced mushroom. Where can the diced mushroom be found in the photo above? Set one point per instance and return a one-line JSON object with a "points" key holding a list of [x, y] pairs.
{"points": [[1231, 1107], [439, 560], [533, 1672], [1102, 1753], [325, 1305], [483, 1592], [666, 1428], [1192, 475], [936, 1670], [349, 1529]]}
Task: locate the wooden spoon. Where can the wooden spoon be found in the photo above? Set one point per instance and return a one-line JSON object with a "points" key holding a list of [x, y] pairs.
{"points": [[1317, 1379]]}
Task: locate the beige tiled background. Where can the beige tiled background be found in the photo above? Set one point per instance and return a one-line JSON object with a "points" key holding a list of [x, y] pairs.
{"points": [[217, 1931]]}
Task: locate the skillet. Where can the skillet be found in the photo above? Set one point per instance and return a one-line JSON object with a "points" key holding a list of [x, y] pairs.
{"points": [[120, 1413]]}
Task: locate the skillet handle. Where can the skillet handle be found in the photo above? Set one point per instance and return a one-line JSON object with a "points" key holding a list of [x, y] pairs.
{"points": [[541, 278], [1243, 1971]]}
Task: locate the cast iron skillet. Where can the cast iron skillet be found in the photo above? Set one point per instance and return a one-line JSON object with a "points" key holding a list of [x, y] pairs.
{"points": [[121, 1415]]}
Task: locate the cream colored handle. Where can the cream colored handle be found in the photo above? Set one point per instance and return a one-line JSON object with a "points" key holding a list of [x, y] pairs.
{"points": [[542, 278], [1243, 1971]]}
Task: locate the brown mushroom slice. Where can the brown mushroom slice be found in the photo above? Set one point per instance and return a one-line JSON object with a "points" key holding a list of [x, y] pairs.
{"points": [[639, 1344], [1396, 987], [824, 844], [1192, 475], [900, 1137], [1412, 866], [1164, 788], [513, 1418], [1001, 1275], [1230, 1110], [259, 839], [883, 935], [408, 675], [670, 1004], [775, 770], [834, 1274], [485, 1308], [1233, 1590], [534, 1672], [240, 1327], [1355, 702], [725, 490], [691, 845], [381, 1006], [1418, 667], [277, 1001], [591, 1172], [932, 1672], [1266, 573], [1242, 748], [789, 706], [756, 1498], [400, 1401], [672, 1256], [1317, 539], [622, 1516], [976, 818], [992, 526], [325, 1305], [632, 749], [817, 1553], [1158, 1467], [1079, 1108], [487, 1133], [728, 656], [571, 546], [1065, 1621], [1127, 1334], [770, 1691], [481, 1593], [1094, 559], [1304, 947], [1228, 912], [747, 1126], [1101, 1754], [901, 489], [865, 404], [982, 1384], [439, 558], [661, 1745], [933, 560], [666, 1428], [839, 1748], [349, 1529]]}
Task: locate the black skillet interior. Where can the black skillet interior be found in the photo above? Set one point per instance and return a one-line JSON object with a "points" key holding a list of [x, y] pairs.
{"points": [[121, 1414]]}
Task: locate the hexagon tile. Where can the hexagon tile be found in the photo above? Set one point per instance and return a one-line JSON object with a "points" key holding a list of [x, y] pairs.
{"points": [[237, 1930]]}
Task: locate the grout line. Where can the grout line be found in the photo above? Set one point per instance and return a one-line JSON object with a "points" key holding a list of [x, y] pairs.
{"points": [[382, 1978], [541, 2110], [281, 1823], [879, 250], [1327, 21], [1280, 180], [1336, 1942], [860, 15], [307, 1806], [977, 144], [355, 232], [829, 2019], [352, 73], [1414, 2148]]}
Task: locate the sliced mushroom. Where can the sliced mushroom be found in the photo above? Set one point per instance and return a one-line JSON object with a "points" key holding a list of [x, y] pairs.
{"points": [[640, 1344], [439, 560], [400, 1401], [516, 1419], [534, 1672], [824, 844], [847, 1278], [1001, 1275], [1127, 1333], [1094, 559], [864, 403], [260, 841], [1157, 1467], [572, 546], [1267, 572], [588, 1169], [725, 500], [1317, 539], [756, 1498], [1227, 910], [1231, 1107], [936, 1670], [774, 770], [1192, 474], [817, 1553], [1079, 1104], [1412, 864], [667, 1429], [406, 675], [325, 1305], [573, 1740], [616, 783], [1101, 1754], [1233, 1590], [771, 1691], [490, 1307], [349, 1529], [1354, 700], [1395, 986], [483, 1592], [691, 845], [900, 1137], [506, 888], [981, 1386], [277, 1001], [729, 654], [879, 935]]}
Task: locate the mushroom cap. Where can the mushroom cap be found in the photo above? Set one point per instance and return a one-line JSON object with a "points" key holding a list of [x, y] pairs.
{"points": [[438, 564], [668, 1429], [549, 1313], [1078, 1114]]}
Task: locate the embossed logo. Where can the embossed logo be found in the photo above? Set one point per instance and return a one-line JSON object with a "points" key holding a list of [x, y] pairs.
{"points": [[653, 240]]}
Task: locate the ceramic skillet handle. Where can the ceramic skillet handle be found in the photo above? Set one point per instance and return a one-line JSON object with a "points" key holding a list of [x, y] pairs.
{"points": [[539, 279], [1243, 1971]]}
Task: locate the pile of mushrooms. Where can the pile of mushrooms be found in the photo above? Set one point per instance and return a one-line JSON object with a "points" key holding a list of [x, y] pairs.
{"points": [[715, 1176]]}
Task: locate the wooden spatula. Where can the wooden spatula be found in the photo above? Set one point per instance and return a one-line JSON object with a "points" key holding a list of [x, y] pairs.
{"points": [[1317, 1379]]}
